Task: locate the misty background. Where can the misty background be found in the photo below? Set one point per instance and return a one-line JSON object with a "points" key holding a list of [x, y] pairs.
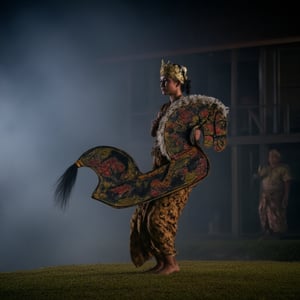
{"points": [[60, 96]]}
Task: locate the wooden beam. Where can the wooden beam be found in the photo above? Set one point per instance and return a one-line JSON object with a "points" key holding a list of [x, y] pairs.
{"points": [[203, 49], [264, 139]]}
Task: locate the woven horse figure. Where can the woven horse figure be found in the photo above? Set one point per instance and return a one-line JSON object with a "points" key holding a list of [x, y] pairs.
{"points": [[121, 183]]}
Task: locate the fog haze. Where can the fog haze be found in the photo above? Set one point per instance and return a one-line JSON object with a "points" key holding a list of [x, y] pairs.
{"points": [[58, 98]]}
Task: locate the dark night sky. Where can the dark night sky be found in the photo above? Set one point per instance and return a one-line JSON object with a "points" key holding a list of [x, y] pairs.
{"points": [[113, 28], [51, 110]]}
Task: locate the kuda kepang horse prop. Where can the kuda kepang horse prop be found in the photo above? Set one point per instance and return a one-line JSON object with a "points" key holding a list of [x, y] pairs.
{"points": [[122, 184]]}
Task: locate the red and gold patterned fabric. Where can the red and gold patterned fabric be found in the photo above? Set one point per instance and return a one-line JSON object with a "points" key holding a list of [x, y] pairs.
{"points": [[122, 184]]}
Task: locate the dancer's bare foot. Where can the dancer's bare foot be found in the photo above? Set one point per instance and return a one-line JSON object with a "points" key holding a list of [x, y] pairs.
{"points": [[170, 266], [169, 269]]}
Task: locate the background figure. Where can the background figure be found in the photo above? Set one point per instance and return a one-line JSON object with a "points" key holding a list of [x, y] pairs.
{"points": [[274, 195]]}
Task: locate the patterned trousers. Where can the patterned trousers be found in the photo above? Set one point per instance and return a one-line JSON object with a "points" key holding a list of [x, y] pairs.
{"points": [[153, 227]]}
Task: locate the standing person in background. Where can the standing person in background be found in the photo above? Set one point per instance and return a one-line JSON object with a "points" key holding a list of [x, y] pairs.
{"points": [[154, 224], [274, 195]]}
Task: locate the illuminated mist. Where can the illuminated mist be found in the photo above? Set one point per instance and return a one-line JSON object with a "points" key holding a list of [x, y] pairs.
{"points": [[57, 102]]}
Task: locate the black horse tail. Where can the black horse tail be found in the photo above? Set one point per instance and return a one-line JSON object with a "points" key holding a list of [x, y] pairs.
{"points": [[64, 186]]}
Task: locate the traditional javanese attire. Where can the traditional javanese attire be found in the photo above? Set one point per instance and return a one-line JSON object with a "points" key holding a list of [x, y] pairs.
{"points": [[272, 210], [154, 224]]}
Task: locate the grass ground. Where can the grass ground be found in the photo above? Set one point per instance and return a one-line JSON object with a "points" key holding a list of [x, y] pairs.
{"points": [[241, 249], [197, 280]]}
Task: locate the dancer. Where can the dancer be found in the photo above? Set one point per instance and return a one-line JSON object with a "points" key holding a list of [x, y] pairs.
{"points": [[154, 224]]}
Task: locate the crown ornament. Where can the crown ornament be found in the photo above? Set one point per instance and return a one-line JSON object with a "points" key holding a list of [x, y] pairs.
{"points": [[174, 71]]}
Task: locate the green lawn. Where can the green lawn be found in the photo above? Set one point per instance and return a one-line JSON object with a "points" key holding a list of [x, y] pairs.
{"points": [[196, 280]]}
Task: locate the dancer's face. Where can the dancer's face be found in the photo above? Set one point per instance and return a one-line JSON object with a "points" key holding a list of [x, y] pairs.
{"points": [[169, 86]]}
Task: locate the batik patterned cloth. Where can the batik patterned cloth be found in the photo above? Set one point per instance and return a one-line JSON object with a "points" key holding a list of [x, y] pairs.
{"points": [[272, 210], [153, 226]]}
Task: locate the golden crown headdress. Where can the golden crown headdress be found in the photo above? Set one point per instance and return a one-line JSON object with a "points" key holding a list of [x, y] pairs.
{"points": [[173, 71]]}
